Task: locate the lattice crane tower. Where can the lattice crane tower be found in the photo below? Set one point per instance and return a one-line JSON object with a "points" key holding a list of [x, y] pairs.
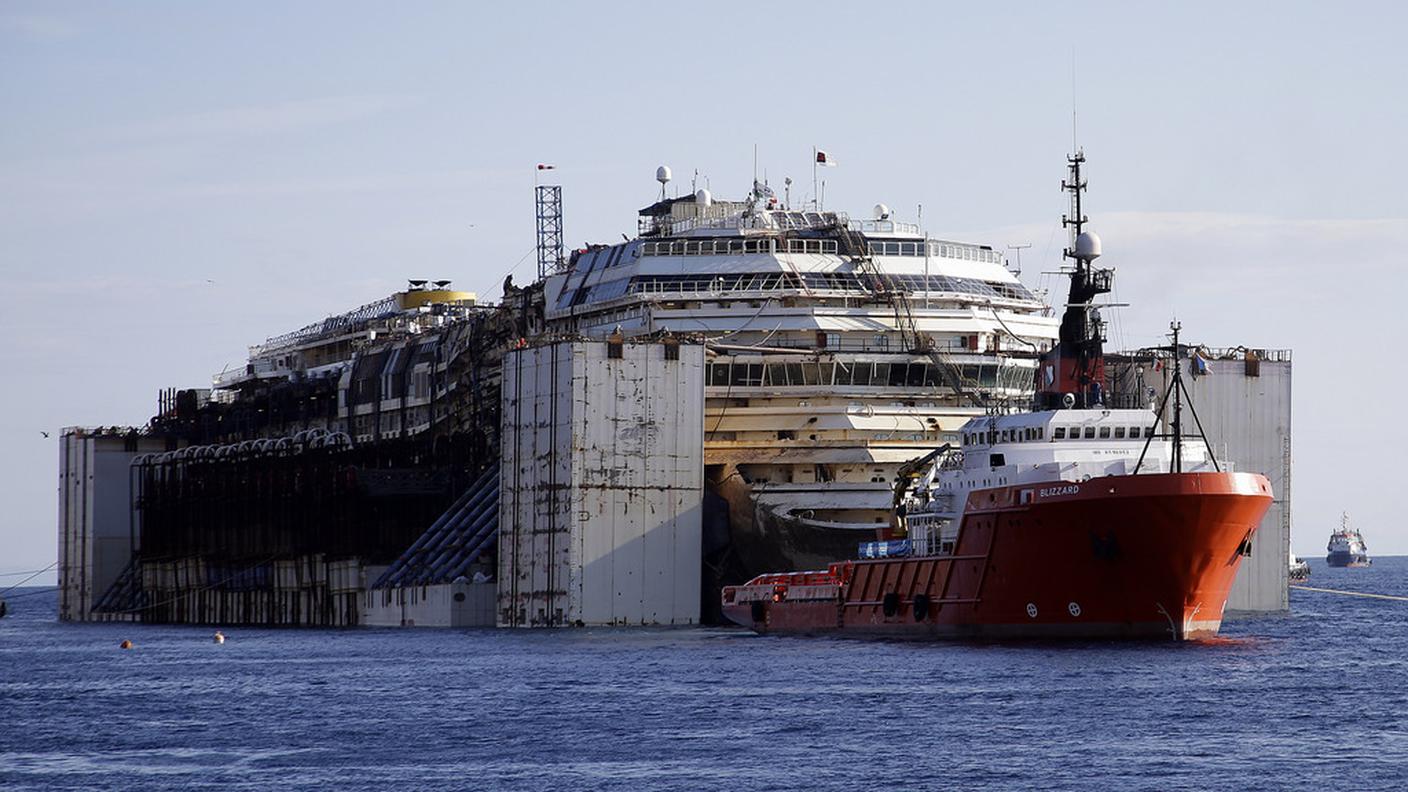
{"points": [[550, 257]]}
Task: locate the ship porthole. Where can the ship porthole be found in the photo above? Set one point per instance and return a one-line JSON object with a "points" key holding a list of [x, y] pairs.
{"points": [[1031, 609], [1074, 608]]}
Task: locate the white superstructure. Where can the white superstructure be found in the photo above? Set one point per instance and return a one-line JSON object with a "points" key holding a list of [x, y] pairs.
{"points": [[839, 349], [1048, 448]]}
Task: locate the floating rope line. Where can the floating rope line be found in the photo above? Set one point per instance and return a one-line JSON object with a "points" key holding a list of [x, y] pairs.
{"points": [[1352, 593]]}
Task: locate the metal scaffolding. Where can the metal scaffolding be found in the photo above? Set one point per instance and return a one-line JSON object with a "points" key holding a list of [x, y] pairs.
{"points": [[549, 229]]}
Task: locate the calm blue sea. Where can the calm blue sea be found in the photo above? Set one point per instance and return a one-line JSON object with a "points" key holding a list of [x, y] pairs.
{"points": [[1314, 700]]}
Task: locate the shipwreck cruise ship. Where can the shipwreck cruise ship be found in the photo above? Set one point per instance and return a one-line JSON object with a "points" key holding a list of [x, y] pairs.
{"points": [[838, 351]]}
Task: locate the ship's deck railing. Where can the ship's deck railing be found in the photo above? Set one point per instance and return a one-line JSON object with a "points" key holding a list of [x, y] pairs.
{"points": [[1218, 353], [374, 310], [740, 246], [884, 227], [845, 284], [778, 220], [1241, 353], [747, 371], [737, 246]]}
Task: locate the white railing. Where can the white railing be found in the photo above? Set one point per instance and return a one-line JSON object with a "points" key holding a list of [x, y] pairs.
{"points": [[883, 227]]}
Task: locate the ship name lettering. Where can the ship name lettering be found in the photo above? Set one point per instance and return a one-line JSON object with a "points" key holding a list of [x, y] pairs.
{"points": [[1069, 489]]}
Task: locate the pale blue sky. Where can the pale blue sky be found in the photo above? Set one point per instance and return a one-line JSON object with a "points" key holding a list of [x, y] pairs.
{"points": [[179, 180]]}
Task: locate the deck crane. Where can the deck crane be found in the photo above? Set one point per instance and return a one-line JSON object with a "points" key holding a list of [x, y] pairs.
{"points": [[916, 342]]}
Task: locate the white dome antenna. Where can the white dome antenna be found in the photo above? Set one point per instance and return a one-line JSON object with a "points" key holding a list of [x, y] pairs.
{"points": [[882, 212], [1087, 247], [663, 175], [703, 199]]}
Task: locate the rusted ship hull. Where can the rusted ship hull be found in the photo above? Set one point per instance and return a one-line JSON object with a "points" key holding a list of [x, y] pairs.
{"points": [[1149, 556]]}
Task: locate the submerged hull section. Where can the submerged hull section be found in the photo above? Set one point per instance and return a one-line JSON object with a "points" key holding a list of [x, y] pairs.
{"points": [[1149, 556]]}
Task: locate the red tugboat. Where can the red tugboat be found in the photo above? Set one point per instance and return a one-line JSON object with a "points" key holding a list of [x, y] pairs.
{"points": [[1073, 521]]}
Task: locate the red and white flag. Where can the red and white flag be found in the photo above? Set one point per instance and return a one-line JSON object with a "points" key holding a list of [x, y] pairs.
{"points": [[824, 160]]}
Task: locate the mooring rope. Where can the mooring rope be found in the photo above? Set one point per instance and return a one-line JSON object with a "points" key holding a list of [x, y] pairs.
{"points": [[35, 574], [1352, 593]]}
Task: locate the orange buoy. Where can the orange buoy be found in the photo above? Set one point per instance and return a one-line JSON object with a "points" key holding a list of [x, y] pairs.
{"points": [[125, 644], [219, 637]]}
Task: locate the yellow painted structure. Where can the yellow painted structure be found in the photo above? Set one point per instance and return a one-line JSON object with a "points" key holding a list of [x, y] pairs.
{"points": [[423, 297]]}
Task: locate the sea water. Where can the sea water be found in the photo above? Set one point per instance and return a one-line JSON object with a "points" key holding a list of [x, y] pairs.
{"points": [[1317, 699]]}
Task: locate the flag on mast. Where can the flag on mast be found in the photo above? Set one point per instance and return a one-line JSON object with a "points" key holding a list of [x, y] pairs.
{"points": [[824, 160], [541, 166]]}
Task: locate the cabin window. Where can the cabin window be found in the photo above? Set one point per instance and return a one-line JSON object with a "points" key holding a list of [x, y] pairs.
{"points": [[1134, 432], [997, 460], [1104, 433], [1089, 433], [1041, 433], [1059, 433], [1119, 432]]}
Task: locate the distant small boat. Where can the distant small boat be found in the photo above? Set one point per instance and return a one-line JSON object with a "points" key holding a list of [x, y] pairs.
{"points": [[1299, 570], [1347, 548]]}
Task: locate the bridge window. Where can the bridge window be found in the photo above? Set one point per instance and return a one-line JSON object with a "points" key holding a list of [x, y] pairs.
{"points": [[1089, 433], [1104, 433], [1119, 432], [1059, 433]]}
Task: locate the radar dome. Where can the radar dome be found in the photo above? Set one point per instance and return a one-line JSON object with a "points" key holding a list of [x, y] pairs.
{"points": [[882, 212], [703, 198], [1088, 246], [662, 174]]}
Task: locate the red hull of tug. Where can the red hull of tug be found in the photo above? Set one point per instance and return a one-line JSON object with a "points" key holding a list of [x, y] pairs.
{"points": [[1118, 557]]}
